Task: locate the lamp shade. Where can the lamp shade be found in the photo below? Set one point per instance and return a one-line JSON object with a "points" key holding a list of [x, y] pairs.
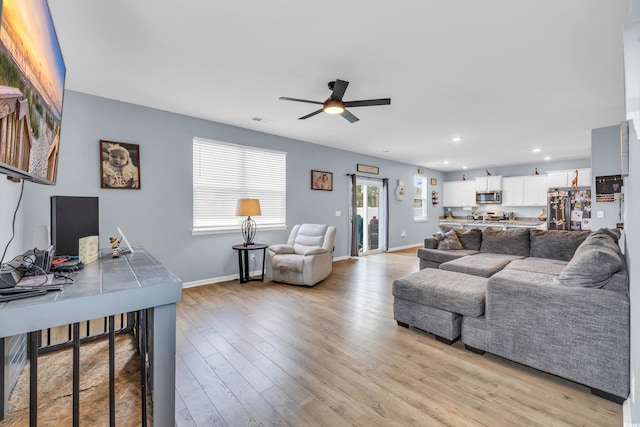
{"points": [[248, 207]]}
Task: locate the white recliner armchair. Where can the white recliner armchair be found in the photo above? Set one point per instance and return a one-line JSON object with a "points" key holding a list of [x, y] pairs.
{"points": [[306, 259]]}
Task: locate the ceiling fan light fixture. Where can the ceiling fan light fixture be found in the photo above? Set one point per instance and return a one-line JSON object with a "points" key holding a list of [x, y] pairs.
{"points": [[333, 106]]}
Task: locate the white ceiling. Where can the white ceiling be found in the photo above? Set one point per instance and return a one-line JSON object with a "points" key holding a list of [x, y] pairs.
{"points": [[506, 76]]}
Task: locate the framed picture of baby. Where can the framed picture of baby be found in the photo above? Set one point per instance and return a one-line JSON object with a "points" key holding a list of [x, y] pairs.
{"points": [[119, 165], [321, 180]]}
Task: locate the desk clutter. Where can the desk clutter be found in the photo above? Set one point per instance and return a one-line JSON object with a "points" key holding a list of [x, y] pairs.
{"points": [[36, 272]]}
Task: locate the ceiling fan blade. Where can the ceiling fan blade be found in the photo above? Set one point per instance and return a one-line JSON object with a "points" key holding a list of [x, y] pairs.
{"points": [[339, 88], [368, 102], [299, 100], [311, 114], [347, 115]]}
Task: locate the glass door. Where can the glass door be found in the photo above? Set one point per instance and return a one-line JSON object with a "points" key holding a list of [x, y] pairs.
{"points": [[369, 215]]}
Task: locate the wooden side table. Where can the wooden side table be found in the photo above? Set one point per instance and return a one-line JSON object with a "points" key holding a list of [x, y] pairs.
{"points": [[243, 260]]}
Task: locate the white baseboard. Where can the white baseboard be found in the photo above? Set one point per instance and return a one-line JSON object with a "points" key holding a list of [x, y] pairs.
{"points": [[626, 413], [208, 281], [399, 248], [258, 272], [219, 279]]}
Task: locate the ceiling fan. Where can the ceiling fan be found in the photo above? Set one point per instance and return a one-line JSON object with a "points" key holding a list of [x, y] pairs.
{"points": [[335, 105]]}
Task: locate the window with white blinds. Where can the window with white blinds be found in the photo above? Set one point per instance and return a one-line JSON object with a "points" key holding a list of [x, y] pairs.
{"points": [[419, 198], [224, 173]]}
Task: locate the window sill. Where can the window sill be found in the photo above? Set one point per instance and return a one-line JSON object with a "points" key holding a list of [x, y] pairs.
{"points": [[420, 219], [236, 229]]}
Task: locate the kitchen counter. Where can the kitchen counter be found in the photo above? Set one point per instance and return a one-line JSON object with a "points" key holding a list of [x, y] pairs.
{"points": [[503, 224]]}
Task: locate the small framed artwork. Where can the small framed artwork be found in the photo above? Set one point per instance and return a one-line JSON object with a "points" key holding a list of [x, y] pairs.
{"points": [[434, 181], [321, 180], [368, 169], [119, 165]]}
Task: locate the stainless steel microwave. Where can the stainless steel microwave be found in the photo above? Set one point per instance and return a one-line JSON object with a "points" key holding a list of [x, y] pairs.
{"points": [[486, 197]]}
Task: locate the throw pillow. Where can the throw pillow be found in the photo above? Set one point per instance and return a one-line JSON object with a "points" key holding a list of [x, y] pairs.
{"points": [[450, 241], [509, 242], [439, 237], [596, 260], [470, 239]]}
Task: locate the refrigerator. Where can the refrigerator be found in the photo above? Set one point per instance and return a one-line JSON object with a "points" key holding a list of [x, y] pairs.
{"points": [[569, 209]]}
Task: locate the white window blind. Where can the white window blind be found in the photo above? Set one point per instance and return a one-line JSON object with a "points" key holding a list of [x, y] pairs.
{"points": [[419, 198], [224, 173]]}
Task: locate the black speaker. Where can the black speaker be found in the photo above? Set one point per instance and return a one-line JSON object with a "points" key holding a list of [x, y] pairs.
{"points": [[72, 218]]}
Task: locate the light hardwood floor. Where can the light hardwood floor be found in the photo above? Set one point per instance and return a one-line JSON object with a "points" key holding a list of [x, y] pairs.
{"points": [[332, 355]]}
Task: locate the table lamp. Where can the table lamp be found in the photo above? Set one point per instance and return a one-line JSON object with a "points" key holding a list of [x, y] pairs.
{"points": [[248, 208]]}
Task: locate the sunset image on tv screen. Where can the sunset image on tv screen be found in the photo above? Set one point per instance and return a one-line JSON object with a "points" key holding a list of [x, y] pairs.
{"points": [[32, 74]]}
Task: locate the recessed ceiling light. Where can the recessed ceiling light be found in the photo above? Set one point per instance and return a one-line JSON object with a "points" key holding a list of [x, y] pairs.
{"points": [[456, 139], [536, 150], [386, 151], [547, 158], [465, 167], [446, 162]]}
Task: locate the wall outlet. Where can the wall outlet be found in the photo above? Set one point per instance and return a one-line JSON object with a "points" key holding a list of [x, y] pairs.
{"points": [[404, 234], [338, 213], [600, 214], [252, 257]]}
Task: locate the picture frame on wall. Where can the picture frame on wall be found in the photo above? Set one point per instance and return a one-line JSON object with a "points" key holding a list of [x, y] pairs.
{"points": [[368, 169], [321, 180], [119, 165]]}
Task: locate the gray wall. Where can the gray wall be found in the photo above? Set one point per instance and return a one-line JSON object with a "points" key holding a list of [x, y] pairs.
{"points": [[159, 215], [9, 194], [632, 204], [632, 253], [605, 161]]}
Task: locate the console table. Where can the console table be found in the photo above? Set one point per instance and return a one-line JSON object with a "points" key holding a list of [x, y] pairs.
{"points": [[243, 259], [132, 283]]}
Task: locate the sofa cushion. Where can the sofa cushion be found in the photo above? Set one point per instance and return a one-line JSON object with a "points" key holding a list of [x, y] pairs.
{"points": [[444, 290], [556, 244], [596, 260], [515, 277], [439, 256], [450, 241], [470, 239], [483, 264], [534, 265], [510, 242]]}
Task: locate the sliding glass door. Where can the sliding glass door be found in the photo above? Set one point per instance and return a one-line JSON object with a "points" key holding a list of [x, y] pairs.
{"points": [[370, 215]]}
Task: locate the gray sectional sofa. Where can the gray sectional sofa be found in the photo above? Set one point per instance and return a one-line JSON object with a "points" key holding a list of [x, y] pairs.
{"points": [[557, 301]]}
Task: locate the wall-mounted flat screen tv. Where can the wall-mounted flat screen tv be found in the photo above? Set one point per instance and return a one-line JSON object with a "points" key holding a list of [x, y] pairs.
{"points": [[32, 74]]}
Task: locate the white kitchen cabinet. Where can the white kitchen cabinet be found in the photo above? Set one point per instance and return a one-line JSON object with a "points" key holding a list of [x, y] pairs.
{"points": [[449, 194], [513, 191], [559, 179], [535, 190], [584, 177], [458, 194], [489, 183]]}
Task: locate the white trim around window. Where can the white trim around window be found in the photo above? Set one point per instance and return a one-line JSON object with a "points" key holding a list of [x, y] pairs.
{"points": [[225, 172], [419, 198]]}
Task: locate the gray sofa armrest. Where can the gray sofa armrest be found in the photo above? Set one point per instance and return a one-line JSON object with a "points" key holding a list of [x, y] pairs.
{"points": [[578, 333], [430, 243]]}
